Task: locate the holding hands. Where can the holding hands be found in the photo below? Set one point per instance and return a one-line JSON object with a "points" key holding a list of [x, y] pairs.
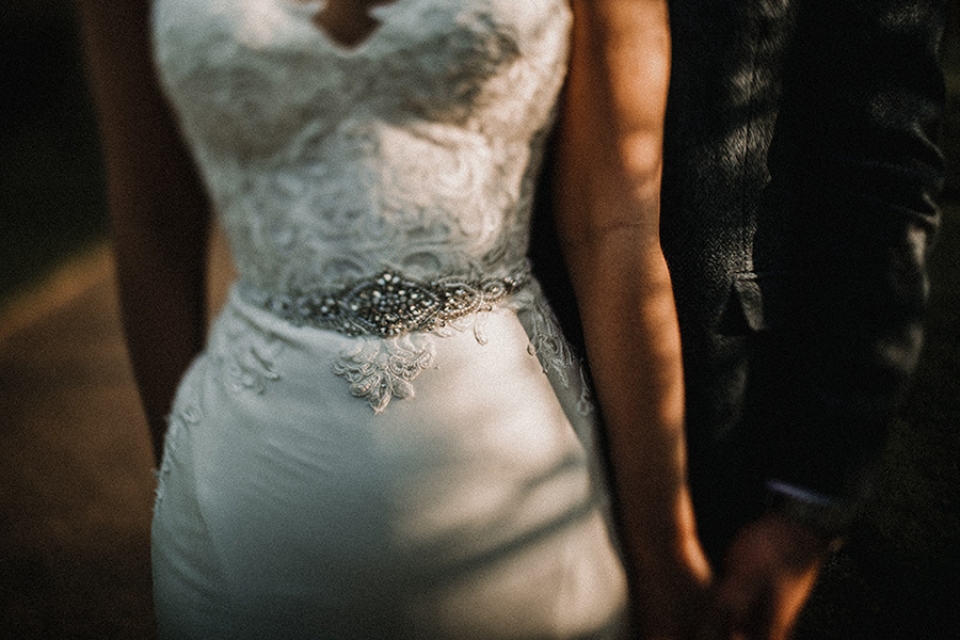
{"points": [[769, 572], [608, 220]]}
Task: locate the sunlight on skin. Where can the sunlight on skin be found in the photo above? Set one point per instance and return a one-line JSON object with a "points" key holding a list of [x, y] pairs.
{"points": [[609, 226]]}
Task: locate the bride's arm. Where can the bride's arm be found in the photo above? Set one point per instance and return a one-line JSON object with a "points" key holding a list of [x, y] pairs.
{"points": [[158, 211], [607, 207]]}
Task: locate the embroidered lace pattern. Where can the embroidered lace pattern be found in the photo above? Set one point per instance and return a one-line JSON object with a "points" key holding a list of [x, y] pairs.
{"points": [[414, 153], [246, 359], [379, 370], [180, 420]]}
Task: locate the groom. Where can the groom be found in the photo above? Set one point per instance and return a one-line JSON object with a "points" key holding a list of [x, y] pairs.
{"points": [[796, 219]]}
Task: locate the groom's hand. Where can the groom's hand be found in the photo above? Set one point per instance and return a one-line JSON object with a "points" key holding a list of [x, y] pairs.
{"points": [[769, 572]]}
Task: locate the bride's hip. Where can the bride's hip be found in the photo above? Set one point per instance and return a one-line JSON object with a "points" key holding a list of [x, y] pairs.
{"points": [[279, 420], [283, 449]]}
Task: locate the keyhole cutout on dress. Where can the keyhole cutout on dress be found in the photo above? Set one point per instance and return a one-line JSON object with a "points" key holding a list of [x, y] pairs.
{"points": [[347, 22]]}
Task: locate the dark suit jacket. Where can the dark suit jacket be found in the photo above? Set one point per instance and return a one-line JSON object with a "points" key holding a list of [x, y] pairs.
{"points": [[796, 220]]}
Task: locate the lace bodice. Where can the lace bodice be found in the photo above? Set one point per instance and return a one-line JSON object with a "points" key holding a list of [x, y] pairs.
{"points": [[414, 151]]}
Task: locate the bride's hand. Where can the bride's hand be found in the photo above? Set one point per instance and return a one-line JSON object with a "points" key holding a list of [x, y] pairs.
{"points": [[769, 571], [671, 596]]}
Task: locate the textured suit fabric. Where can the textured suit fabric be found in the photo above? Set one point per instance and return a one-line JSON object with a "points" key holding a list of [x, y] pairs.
{"points": [[796, 219]]}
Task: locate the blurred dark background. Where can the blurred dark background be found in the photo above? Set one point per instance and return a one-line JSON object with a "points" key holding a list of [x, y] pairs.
{"points": [[51, 195], [74, 499]]}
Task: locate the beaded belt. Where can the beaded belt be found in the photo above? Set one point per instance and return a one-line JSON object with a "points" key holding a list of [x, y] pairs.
{"points": [[389, 304]]}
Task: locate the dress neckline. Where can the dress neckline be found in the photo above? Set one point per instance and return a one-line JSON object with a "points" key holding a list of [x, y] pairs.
{"points": [[306, 10]]}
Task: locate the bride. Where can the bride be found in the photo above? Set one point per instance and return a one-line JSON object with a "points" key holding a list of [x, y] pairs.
{"points": [[384, 435]]}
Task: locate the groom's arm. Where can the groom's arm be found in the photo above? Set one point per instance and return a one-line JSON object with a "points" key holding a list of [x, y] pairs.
{"points": [[854, 150]]}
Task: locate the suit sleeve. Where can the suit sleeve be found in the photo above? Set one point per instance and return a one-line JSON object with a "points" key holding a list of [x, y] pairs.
{"points": [[854, 150]]}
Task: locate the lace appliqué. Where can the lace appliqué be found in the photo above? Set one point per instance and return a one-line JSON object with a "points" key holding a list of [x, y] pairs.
{"points": [[245, 356], [179, 420], [557, 358], [381, 369], [548, 344], [585, 404]]}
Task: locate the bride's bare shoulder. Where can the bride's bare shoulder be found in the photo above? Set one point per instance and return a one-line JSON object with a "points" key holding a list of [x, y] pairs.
{"points": [[143, 151], [114, 21], [116, 45]]}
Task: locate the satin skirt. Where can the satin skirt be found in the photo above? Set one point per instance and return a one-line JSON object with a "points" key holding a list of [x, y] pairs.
{"points": [[287, 508]]}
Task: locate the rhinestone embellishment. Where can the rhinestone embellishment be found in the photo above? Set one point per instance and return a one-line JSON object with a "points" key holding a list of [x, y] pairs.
{"points": [[389, 305]]}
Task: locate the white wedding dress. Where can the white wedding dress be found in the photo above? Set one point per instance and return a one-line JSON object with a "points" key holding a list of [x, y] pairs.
{"points": [[386, 436]]}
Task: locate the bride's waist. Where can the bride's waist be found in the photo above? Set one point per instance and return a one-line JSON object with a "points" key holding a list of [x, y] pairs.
{"points": [[484, 330], [390, 303]]}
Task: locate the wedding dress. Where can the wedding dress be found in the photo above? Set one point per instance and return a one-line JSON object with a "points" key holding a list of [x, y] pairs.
{"points": [[386, 436]]}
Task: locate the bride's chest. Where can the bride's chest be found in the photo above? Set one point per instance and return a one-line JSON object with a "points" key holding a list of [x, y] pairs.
{"points": [[436, 59]]}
